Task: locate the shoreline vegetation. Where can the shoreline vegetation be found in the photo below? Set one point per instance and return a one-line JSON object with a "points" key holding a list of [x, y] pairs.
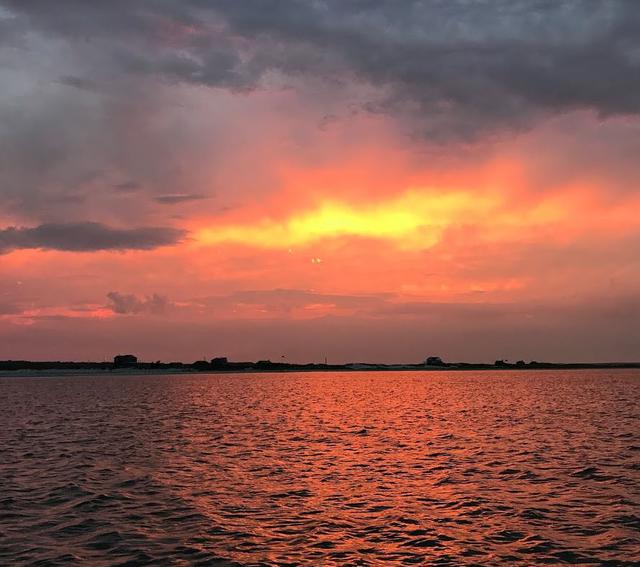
{"points": [[129, 364]]}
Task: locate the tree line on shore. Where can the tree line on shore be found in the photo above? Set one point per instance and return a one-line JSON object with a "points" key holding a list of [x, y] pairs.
{"points": [[220, 364]]}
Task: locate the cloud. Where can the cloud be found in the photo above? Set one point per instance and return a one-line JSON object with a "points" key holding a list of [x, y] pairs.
{"points": [[463, 67], [127, 187], [466, 66], [178, 198], [287, 300], [78, 83], [87, 237], [126, 303], [8, 308]]}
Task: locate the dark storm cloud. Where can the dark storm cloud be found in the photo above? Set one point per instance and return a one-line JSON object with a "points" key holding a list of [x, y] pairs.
{"points": [[463, 66], [87, 237]]}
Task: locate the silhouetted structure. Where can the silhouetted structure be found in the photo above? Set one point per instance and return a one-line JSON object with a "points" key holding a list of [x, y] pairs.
{"points": [[124, 360], [219, 362], [434, 361]]}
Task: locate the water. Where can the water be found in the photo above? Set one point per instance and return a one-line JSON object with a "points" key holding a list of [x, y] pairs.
{"points": [[508, 468]]}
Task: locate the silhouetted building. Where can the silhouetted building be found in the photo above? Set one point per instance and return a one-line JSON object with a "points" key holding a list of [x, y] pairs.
{"points": [[125, 360], [434, 361], [219, 362]]}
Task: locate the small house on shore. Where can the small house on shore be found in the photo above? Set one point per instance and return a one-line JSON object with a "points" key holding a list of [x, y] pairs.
{"points": [[123, 360]]}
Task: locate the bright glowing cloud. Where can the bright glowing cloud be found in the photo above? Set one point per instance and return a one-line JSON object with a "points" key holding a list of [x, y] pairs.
{"points": [[415, 219]]}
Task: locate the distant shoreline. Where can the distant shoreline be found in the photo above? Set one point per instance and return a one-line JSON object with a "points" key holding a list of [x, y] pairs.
{"points": [[55, 369]]}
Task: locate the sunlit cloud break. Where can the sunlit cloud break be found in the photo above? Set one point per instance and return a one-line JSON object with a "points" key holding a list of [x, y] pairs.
{"points": [[414, 219]]}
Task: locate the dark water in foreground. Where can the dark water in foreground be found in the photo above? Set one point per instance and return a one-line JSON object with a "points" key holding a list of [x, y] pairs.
{"points": [[332, 469]]}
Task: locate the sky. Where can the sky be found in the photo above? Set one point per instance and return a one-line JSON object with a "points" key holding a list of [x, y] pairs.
{"points": [[362, 180]]}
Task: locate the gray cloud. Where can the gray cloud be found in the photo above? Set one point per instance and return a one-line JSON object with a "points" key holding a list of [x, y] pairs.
{"points": [[462, 66], [87, 237], [178, 198], [127, 303], [127, 187], [78, 83]]}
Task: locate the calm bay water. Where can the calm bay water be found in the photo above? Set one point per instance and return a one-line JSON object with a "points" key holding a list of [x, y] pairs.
{"points": [[508, 468]]}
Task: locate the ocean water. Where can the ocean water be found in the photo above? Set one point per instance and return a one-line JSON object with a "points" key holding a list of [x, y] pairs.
{"points": [[387, 468]]}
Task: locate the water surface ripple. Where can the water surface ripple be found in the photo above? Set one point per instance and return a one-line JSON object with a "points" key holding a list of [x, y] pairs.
{"points": [[477, 468]]}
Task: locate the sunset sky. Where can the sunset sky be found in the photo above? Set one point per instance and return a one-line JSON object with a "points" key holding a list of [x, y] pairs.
{"points": [[357, 179]]}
